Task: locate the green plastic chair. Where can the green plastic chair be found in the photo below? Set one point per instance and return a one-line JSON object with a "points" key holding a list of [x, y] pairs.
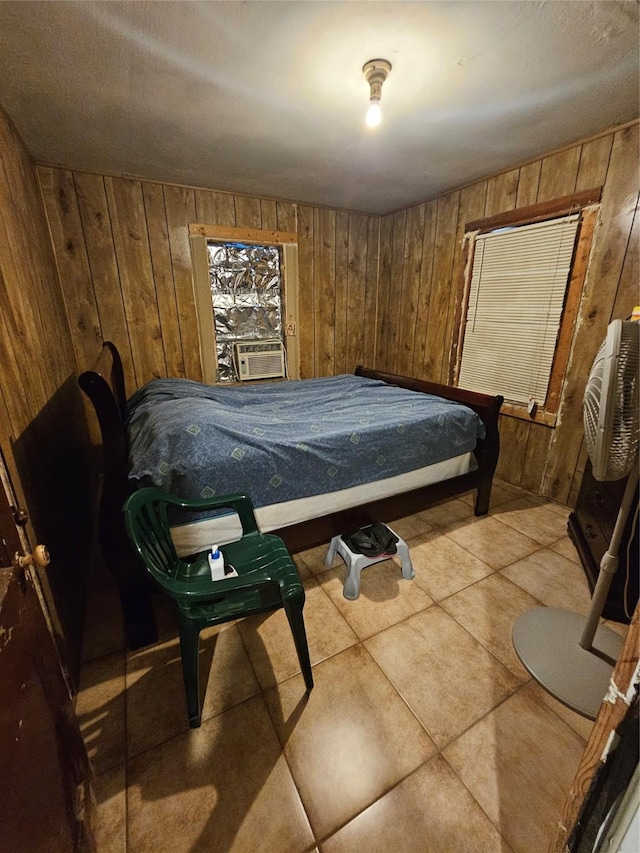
{"points": [[267, 578]]}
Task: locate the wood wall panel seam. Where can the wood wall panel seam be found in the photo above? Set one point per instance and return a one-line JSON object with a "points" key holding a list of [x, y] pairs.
{"points": [[426, 282], [384, 289], [162, 269], [341, 283], [103, 264], [593, 168], [558, 174], [306, 299], [603, 275], [180, 207], [356, 291], [371, 297], [627, 291], [133, 254], [72, 262]]}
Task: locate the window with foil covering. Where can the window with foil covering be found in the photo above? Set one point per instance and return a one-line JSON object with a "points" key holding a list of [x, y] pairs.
{"points": [[514, 308], [245, 284], [246, 296]]}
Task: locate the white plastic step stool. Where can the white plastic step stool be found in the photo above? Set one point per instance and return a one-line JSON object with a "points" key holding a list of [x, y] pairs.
{"points": [[357, 562]]}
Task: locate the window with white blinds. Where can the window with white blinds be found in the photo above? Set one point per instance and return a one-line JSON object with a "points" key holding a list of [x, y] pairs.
{"points": [[516, 296]]}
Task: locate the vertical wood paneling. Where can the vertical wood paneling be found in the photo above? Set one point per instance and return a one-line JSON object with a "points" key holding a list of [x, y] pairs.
{"points": [[528, 449], [215, 208], [11, 385], [411, 276], [43, 433], [627, 294], [384, 290], [514, 435], [17, 387], [96, 225], [356, 292], [163, 277], [424, 296], [437, 348], [106, 261], [306, 330], [287, 220], [394, 316], [594, 162], [371, 293], [224, 209], [578, 474], [23, 257], [268, 214], [558, 174], [528, 183], [69, 241], [324, 289], [502, 192], [126, 208], [181, 209], [248, 214], [535, 457], [341, 284], [609, 247], [206, 210], [472, 205]]}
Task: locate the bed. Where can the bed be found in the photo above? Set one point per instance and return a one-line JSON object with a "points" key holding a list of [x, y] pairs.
{"points": [[338, 454]]}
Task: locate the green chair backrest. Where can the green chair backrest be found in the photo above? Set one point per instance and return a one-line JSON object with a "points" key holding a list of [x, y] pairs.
{"points": [[148, 526]]}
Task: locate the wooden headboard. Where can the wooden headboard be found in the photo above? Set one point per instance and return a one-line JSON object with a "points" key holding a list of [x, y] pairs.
{"points": [[104, 385]]}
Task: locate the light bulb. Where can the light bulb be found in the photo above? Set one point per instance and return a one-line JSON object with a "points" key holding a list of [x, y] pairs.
{"points": [[374, 114]]}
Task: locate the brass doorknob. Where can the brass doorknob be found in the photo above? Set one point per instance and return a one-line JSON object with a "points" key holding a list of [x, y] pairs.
{"points": [[40, 558]]}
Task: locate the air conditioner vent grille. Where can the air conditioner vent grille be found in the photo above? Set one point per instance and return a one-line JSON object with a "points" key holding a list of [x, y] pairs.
{"points": [[260, 360]]}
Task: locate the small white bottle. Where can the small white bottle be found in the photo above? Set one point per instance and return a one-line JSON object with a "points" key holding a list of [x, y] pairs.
{"points": [[216, 564]]}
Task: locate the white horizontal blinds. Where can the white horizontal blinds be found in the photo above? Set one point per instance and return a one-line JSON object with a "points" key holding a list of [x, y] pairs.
{"points": [[515, 306]]}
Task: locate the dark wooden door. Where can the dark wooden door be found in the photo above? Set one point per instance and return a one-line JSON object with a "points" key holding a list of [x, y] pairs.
{"points": [[46, 802]]}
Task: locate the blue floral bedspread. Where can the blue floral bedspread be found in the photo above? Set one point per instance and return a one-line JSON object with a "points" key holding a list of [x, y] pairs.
{"points": [[288, 440]]}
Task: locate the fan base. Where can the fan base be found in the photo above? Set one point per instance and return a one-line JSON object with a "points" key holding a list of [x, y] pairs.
{"points": [[547, 641]]}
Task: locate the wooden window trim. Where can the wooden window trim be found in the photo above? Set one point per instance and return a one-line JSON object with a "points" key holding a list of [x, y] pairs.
{"points": [[288, 243], [232, 234], [537, 212], [587, 202]]}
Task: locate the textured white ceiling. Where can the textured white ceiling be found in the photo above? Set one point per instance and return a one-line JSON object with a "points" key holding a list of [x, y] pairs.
{"points": [[268, 98]]}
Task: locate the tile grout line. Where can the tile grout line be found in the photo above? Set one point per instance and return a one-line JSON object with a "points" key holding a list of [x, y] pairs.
{"points": [[359, 641]]}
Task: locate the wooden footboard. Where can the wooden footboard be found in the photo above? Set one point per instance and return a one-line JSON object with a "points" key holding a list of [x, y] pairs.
{"points": [[104, 385]]}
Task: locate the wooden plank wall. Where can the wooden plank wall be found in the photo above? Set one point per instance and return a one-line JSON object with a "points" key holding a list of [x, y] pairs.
{"points": [[123, 251], [43, 433], [375, 291], [420, 260]]}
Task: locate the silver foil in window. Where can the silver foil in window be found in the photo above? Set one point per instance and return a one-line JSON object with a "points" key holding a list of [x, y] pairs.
{"points": [[246, 295]]}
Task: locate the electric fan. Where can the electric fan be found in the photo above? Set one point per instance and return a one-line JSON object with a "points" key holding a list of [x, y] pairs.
{"points": [[568, 654]]}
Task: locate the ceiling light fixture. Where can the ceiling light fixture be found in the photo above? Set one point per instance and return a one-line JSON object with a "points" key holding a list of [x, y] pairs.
{"points": [[375, 72]]}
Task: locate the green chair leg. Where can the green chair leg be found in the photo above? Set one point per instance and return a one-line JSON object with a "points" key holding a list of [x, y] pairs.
{"points": [[266, 577], [293, 609], [189, 650]]}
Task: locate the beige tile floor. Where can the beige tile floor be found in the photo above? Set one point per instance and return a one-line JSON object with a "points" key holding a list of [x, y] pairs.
{"points": [[424, 732]]}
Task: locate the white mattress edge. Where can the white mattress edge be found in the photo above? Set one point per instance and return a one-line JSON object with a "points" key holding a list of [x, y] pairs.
{"points": [[198, 536]]}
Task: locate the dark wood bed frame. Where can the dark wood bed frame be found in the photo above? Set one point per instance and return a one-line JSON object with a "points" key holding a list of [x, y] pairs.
{"points": [[104, 385]]}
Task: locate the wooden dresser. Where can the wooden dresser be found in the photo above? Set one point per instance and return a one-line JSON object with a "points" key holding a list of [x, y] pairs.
{"points": [[591, 527]]}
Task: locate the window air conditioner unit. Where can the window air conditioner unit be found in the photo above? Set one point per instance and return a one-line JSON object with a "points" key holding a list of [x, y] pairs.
{"points": [[259, 359]]}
